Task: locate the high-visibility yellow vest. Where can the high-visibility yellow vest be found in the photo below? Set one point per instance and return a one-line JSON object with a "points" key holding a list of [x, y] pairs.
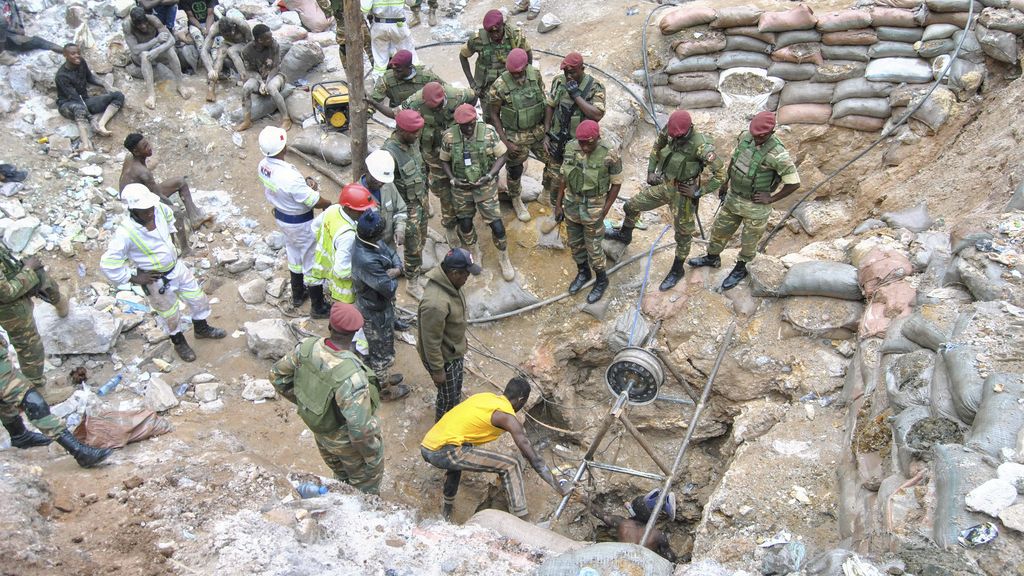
{"points": [[333, 224]]}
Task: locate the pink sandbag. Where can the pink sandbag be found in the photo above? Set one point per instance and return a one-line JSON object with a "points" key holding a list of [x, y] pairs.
{"points": [[685, 17], [890, 302], [882, 266], [310, 14], [861, 123], [734, 16], [116, 429], [804, 114], [799, 18], [290, 33], [862, 37], [753, 32], [803, 53], [895, 17], [843, 20]]}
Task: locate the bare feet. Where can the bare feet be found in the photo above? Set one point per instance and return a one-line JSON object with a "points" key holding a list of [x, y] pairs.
{"points": [[99, 129], [185, 92], [244, 125], [151, 101], [211, 94], [201, 219], [286, 124]]}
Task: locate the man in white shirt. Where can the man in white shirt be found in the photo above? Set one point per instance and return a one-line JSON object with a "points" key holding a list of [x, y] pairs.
{"points": [[294, 198], [143, 241]]}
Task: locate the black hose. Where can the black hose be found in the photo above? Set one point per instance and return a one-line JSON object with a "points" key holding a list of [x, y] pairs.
{"points": [[647, 68]]}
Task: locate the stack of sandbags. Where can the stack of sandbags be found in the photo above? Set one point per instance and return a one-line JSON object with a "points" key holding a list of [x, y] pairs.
{"points": [[692, 75]]}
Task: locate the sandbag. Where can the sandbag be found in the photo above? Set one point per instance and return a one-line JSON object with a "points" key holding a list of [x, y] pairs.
{"points": [[300, 59], [899, 34], [837, 71], [799, 18], [970, 49], [905, 4], [955, 471], [860, 123], [656, 78], [734, 16], [941, 405], [862, 37], [310, 14], [666, 96], [784, 39], [1000, 4], [851, 53], [806, 93], [746, 44], [908, 379], [895, 342], [880, 266], [606, 557], [804, 114], [799, 54], [497, 298], [727, 60], [331, 146], [843, 20], [939, 31], [873, 107], [893, 300], [792, 72], [904, 94], [888, 49], [290, 33], [901, 426], [752, 32], [934, 48], [965, 383], [683, 17], [820, 278], [894, 17], [773, 103], [1000, 417], [709, 43], [860, 88], [117, 429], [692, 64], [1006, 20], [952, 5], [910, 70], [822, 317], [934, 112], [997, 44], [693, 81], [958, 18], [966, 78], [923, 332]]}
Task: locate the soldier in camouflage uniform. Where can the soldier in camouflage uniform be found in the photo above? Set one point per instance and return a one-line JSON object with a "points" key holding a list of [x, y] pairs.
{"points": [[402, 79], [679, 157], [574, 97], [591, 178], [492, 45], [411, 181], [337, 396], [431, 12], [336, 8], [21, 281], [436, 103], [759, 163], [517, 105], [473, 155]]}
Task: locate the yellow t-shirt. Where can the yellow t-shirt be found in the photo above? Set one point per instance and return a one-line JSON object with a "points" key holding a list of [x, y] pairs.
{"points": [[469, 422]]}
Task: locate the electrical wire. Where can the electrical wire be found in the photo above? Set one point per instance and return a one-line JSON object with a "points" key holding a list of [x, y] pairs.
{"points": [[643, 285], [647, 68]]}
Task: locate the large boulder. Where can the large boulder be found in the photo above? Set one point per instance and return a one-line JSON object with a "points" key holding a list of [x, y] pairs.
{"points": [[85, 330], [270, 338]]}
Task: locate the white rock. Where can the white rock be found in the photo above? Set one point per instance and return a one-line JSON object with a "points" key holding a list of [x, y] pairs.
{"points": [[1012, 473], [548, 22], [222, 257], [13, 208], [258, 390], [269, 338], [275, 240], [210, 407], [203, 378], [1013, 517], [91, 170], [18, 233], [159, 395], [276, 286], [122, 7], [253, 291], [84, 331], [992, 497], [208, 391], [241, 265]]}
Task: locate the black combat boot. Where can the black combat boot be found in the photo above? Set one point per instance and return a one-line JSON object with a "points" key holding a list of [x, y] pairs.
{"points": [[623, 234], [707, 260], [85, 455], [181, 347], [673, 277], [739, 272], [600, 285], [299, 293], [582, 277], [204, 331], [318, 307], [21, 437]]}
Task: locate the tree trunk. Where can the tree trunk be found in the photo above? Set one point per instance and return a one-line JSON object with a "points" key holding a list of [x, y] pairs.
{"points": [[355, 28]]}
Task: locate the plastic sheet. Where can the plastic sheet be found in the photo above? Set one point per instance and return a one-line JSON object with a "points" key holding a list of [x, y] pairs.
{"points": [[607, 558], [117, 429]]}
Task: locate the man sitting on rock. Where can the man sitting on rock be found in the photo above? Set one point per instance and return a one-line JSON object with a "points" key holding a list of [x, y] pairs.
{"points": [[262, 59], [235, 34], [135, 171], [73, 100], [151, 43]]}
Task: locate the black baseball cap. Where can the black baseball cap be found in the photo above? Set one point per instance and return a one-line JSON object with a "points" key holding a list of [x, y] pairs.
{"points": [[460, 259]]}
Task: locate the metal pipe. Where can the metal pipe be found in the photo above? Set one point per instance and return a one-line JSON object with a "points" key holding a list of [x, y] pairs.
{"points": [[675, 374], [643, 443], [663, 495], [630, 471], [674, 399]]}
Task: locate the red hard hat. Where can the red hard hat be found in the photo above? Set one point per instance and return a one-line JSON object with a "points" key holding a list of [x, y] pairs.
{"points": [[356, 197]]}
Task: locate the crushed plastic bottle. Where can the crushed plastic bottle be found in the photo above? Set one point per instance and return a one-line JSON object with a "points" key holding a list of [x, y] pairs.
{"points": [[978, 534], [110, 386], [311, 490]]}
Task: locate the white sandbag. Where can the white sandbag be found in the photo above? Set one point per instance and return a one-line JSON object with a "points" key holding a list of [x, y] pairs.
{"points": [[939, 31], [851, 53], [873, 107], [744, 99], [860, 88], [1000, 417], [806, 93], [783, 39], [334, 147], [792, 72], [821, 278], [899, 34], [910, 70], [606, 557], [727, 60], [997, 44], [692, 64]]}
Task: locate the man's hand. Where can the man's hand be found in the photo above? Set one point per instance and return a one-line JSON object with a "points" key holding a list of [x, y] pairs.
{"points": [[142, 279], [573, 88], [400, 235], [763, 198], [686, 188], [559, 215], [512, 148], [653, 178], [312, 183], [263, 88], [394, 273], [483, 181], [437, 378], [462, 183], [547, 144], [33, 262], [163, 37]]}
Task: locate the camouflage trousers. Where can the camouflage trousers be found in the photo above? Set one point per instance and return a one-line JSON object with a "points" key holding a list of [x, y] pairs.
{"points": [[468, 201], [13, 387], [379, 327], [552, 179], [734, 213], [339, 28], [441, 186], [584, 225], [417, 3], [681, 208], [415, 234], [16, 319], [527, 142], [348, 465]]}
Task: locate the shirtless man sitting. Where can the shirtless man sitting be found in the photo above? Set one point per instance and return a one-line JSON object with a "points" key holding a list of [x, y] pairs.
{"points": [[135, 171], [151, 43], [235, 34]]}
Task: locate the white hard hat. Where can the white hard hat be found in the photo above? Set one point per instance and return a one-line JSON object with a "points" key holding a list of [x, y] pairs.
{"points": [[272, 140], [381, 165], [138, 197]]}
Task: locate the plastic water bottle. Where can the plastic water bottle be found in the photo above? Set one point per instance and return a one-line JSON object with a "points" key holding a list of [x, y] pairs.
{"points": [[110, 385], [311, 490]]}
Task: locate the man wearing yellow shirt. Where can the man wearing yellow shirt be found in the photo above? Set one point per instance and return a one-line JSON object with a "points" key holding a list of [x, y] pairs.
{"points": [[452, 445]]}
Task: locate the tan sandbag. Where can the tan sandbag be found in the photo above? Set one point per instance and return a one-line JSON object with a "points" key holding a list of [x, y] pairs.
{"points": [[804, 114], [895, 17], [1002, 19], [840, 20], [665, 96], [685, 17], [957, 18], [693, 81], [708, 43], [798, 18], [799, 54], [861, 123], [953, 5], [862, 37], [117, 429], [753, 32], [310, 14], [881, 266], [290, 33], [875, 107], [700, 99], [733, 16], [791, 72], [837, 71], [908, 4]]}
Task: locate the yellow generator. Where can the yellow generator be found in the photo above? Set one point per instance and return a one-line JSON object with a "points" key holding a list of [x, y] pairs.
{"points": [[330, 103]]}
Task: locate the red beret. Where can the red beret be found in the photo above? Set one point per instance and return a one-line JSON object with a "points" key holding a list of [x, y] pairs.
{"points": [[433, 94], [465, 114], [401, 58], [762, 124], [409, 120], [493, 19], [345, 317], [517, 60], [679, 123], [572, 60], [588, 130]]}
